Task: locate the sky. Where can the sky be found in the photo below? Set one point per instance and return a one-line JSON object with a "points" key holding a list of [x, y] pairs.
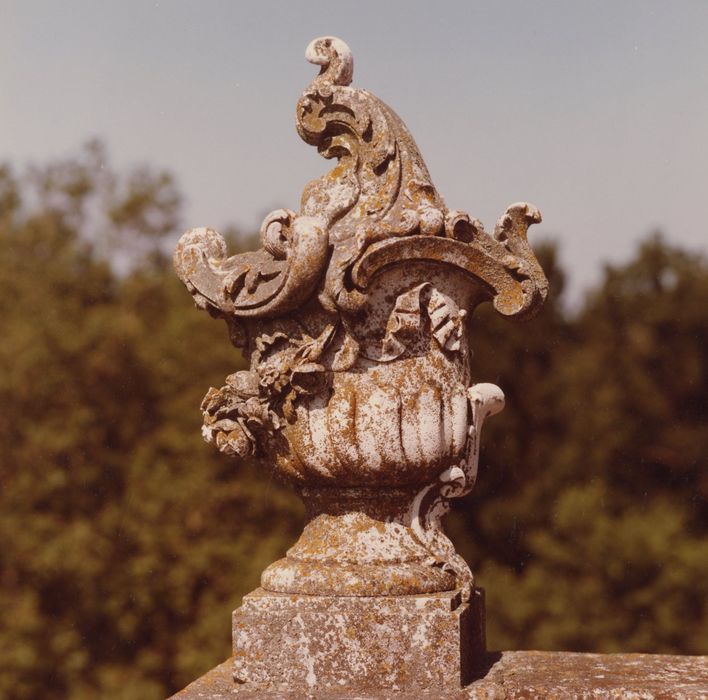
{"points": [[597, 112]]}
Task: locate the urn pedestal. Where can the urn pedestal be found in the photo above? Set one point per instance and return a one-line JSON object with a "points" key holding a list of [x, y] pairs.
{"points": [[358, 542], [354, 319], [357, 644]]}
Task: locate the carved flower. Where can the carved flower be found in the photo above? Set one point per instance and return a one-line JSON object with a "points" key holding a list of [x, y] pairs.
{"points": [[272, 360], [308, 378], [257, 414], [234, 414], [287, 366], [243, 384], [237, 442]]}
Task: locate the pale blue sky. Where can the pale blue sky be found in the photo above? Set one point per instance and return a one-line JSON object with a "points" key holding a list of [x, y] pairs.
{"points": [[597, 112]]}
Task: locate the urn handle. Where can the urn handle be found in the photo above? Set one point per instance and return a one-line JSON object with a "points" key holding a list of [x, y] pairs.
{"points": [[433, 502]]}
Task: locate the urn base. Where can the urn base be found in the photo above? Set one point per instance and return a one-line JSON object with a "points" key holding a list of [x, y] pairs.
{"points": [[358, 542], [355, 644]]}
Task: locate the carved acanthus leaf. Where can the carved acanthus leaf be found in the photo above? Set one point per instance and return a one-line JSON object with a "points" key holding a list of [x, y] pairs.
{"points": [[266, 283], [505, 277]]}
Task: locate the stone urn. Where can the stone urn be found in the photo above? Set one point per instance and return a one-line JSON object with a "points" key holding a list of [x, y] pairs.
{"points": [[354, 317]]}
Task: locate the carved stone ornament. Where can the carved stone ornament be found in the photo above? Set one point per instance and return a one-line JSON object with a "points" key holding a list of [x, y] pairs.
{"points": [[354, 316]]}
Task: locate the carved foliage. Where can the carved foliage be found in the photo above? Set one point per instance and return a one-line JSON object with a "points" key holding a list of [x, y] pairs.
{"points": [[379, 191], [288, 366]]}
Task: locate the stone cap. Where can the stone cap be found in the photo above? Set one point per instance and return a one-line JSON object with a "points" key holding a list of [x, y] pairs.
{"points": [[521, 675]]}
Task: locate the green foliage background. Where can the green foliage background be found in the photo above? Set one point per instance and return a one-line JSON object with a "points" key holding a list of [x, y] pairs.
{"points": [[126, 541]]}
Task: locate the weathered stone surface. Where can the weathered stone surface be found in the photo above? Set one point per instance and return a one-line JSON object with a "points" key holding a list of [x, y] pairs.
{"points": [[357, 643], [360, 392], [565, 676], [518, 675]]}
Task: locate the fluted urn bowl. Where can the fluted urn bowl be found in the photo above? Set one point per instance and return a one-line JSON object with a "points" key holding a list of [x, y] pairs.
{"points": [[398, 424]]}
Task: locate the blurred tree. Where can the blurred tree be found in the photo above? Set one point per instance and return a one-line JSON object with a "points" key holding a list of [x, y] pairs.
{"points": [[127, 541], [517, 444], [590, 522]]}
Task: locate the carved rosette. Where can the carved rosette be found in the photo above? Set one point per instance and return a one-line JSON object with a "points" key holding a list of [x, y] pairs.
{"points": [[353, 315]]}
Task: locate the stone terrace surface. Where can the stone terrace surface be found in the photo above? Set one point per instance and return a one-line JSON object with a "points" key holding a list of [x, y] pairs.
{"points": [[520, 675]]}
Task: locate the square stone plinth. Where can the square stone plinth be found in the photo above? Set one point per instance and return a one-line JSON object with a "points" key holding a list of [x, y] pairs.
{"points": [[319, 642]]}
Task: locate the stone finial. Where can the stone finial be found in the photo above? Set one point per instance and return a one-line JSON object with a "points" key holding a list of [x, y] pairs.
{"points": [[353, 315]]}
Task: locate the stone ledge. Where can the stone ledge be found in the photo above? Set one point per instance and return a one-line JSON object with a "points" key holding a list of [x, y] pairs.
{"points": [[520, 675]]}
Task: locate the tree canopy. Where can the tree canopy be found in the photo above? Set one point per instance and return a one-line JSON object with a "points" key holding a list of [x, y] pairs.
{"points": [[127, 541]]}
